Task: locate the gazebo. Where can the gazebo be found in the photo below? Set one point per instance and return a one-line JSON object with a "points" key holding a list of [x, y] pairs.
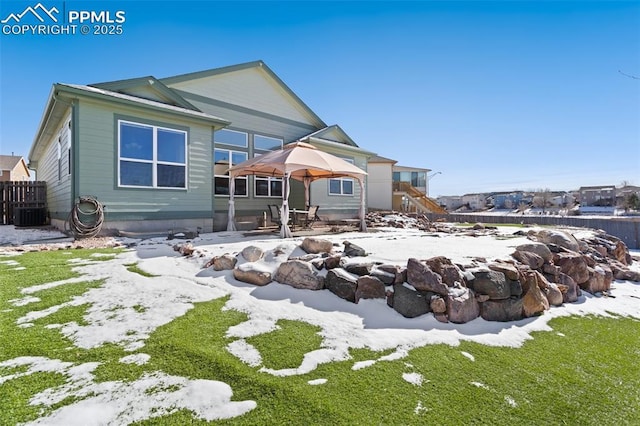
{"points": [[300, 161]]}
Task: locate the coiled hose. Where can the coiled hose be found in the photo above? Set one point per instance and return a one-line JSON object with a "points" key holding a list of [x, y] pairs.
{"points": [[92, 220]]}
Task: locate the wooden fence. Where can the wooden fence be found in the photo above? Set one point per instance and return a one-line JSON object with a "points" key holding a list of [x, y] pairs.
{"points": [[21, 195], [627, 228]]}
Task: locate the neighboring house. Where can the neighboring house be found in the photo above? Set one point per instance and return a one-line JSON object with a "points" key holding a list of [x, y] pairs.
{"points": [[380, 183], [597, 196], [623, 194], [505, 200], [450, 202], [155, 152], [474, 201], [13, 168], [411, 191]]}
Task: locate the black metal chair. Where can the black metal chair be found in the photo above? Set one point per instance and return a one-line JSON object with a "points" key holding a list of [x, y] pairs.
{"points": [[274, 212], [308, 218]]}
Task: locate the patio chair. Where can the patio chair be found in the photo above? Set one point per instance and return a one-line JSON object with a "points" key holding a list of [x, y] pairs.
{"points": [[274, 212], [308, 219]]}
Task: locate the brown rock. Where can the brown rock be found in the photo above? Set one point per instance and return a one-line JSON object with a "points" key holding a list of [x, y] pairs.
{"points": [[299, 274], [422, 278], [222, 263], [572, 264], [554, 295], [538, 248], [438, 305], [252, 276], [534, 301], [508, 269], [369, 288], [316, 245], [528, 258], [462, 305]]}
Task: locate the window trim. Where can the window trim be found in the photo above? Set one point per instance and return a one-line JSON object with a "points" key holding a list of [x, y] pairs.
{"points": [[262, 150], [269, 179], [245, 178], [342, 180], [154, 161]]}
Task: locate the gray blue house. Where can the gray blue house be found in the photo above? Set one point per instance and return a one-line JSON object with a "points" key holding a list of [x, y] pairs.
{"points": [[155, 152]]}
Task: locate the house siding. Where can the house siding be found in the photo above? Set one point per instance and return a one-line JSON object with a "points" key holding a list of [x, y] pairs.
{"points": [[97, 174], [338, 206], [379, 186], [249, 88], [56, 173]]}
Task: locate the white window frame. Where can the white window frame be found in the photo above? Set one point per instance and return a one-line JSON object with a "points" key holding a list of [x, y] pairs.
{"points": [[342, 181], [154, 161], [231, 152]]}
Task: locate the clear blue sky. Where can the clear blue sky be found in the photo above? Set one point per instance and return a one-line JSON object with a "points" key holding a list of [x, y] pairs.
{"points": [[496, 95]]}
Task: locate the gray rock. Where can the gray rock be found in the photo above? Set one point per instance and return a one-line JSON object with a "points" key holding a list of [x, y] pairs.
{"points": [[554, 295], [332, 262], [573, 291], [353, 250], [398, 271], [369, 288], [438, 305], [502, 310], [252, 253], [341, 284], [449, 272], [423, 278], [492, 283], [360, 269], [387, 278], [299, 274], [410, 303], [509, 270]]}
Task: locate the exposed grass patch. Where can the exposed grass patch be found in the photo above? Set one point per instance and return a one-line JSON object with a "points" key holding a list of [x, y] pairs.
{"points": [[297, 337], [133, 267]]}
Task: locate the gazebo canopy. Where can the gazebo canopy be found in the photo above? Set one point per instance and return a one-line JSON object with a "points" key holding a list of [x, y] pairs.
{"points": [[300, 161]]}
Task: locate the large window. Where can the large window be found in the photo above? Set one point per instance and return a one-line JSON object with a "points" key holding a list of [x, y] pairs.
{"points": [[341, 186], [151, 156], [223, 159], [267, 186]]}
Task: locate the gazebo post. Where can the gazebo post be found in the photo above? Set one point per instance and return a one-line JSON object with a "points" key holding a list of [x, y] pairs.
{"points": [[363, 223], [285, 231], [231, 224]]}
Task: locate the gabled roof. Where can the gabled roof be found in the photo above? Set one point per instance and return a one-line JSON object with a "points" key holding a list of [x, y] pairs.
{"points": [[332, 133], [9, 162], [245, 66], [380, 159], [134, 87]]}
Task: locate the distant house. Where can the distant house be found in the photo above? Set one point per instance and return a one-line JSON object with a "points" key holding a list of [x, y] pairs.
{"points": [[13, 168], [506, 200], [380, 183], [597, 196], [155, 152], [623, 194], [450, 202], [475, 201]]}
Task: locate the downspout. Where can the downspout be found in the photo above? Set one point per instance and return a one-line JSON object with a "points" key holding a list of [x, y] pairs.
{"points": [[75, 155]]}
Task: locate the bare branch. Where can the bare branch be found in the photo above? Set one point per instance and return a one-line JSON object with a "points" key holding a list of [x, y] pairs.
{"points": [[630, 76]]}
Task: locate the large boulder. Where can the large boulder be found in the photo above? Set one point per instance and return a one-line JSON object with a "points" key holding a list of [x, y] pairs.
{"points": [[299, 274], [572, 264], [449, 272], [554, 295], [558, 238], [252, 253], [423, 278], [492, 283], [225, 262], [534, 301], [360, 269], [573, 291], [399, 272], [600, 279], [316, 245], [462, 305], [353, 250], [342, 284], [509, 270], [252, 276], [540, 249], [502, 310], [529, 258], [409, 302], [369, 288]]}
